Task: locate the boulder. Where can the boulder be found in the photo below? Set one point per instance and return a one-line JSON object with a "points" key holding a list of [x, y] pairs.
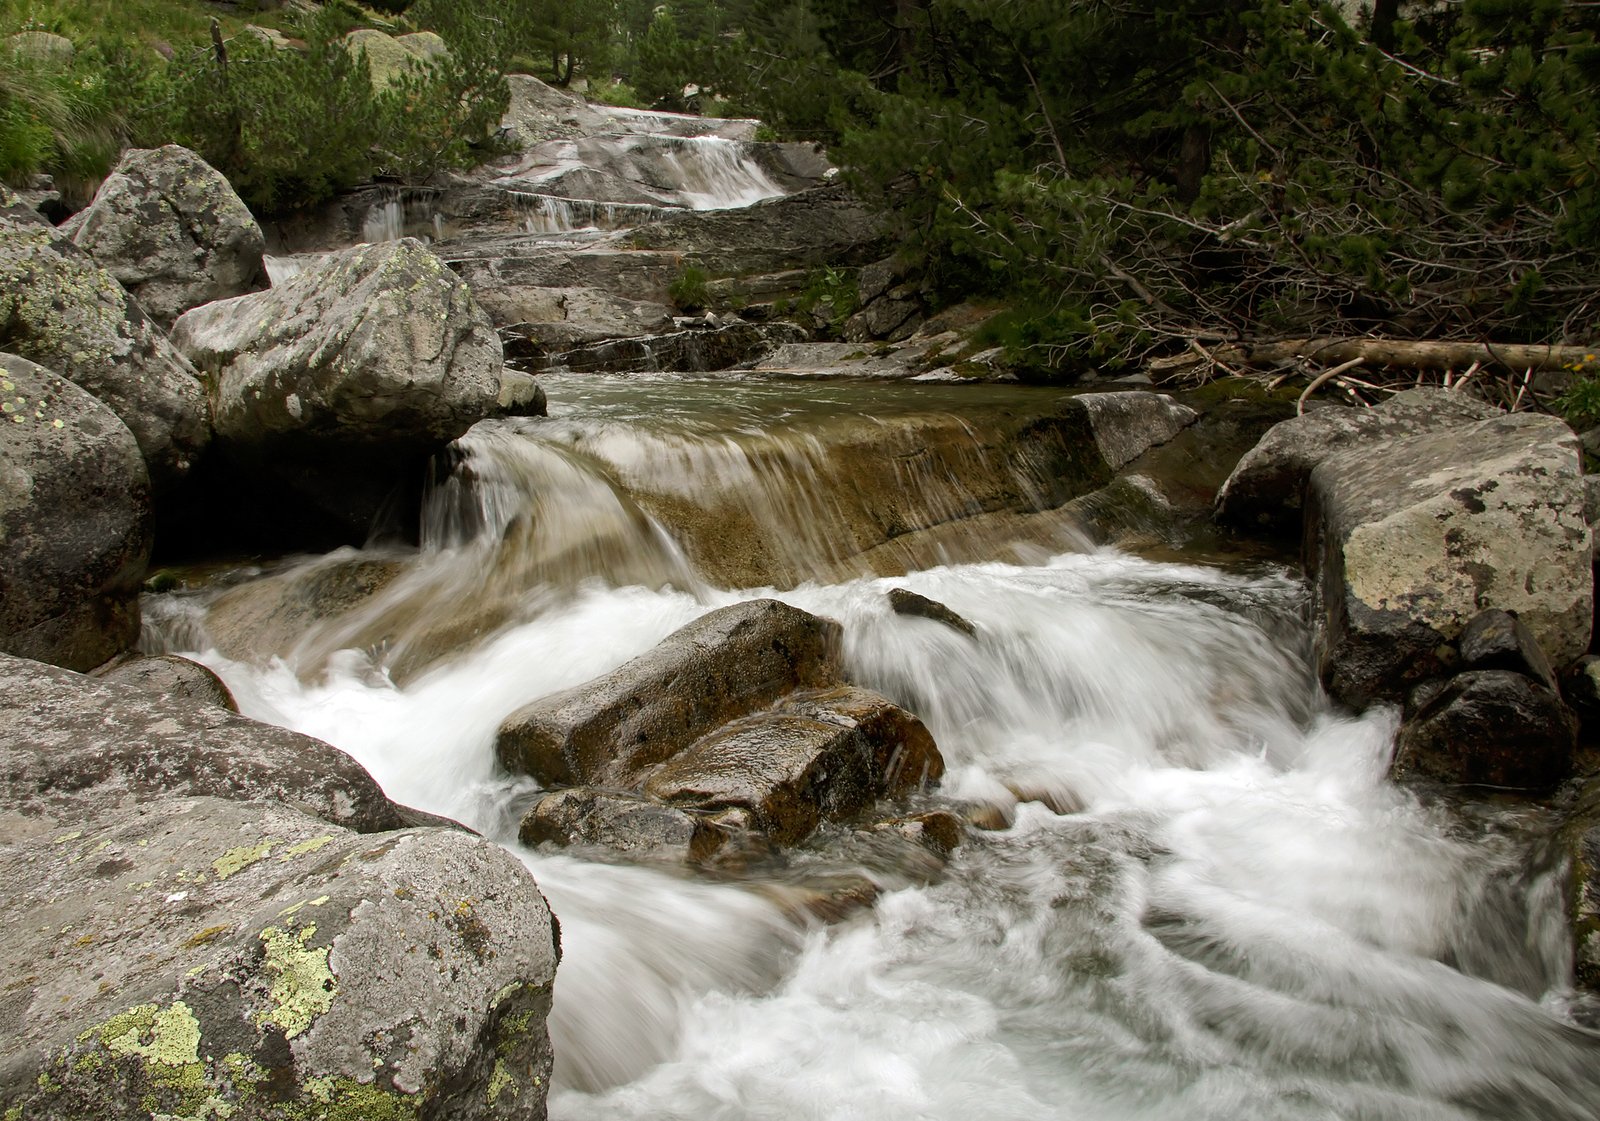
{"points": [[554, 319], [62, 310], [73, 748], [42, 48], [426, 45], [174, 680], [1497, 639], [1489, 728], [820, 756], [388, 60], [1266, 488], [172, 231], [1128, 423], [199, 958], [343, 380], [74, 521], [580, 815], [718, 668], [717, 347], [1409, 539]]}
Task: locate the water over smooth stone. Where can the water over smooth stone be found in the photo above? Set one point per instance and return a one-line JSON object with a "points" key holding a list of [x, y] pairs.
{"points": [[64, 311], [826, 755], [718, 668], [1497, 639], [73, 748], [1266, 488], [201, 958], [338, 383], [74, 521], [174, 680], [904, 601], [1489, 728], [1409, 539], [172, 231]]}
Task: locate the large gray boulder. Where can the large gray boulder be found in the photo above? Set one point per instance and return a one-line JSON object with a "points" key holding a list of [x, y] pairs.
{"points": [[199, 958], [169, 227], [74, 521], [1266, 487], [62, 310], [1409, 539], [73, 748], [720, 667], [344, 378]]}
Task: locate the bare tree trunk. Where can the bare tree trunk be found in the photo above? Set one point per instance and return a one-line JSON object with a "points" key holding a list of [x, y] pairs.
{"points": [[1384, 15], [1426, 354]]}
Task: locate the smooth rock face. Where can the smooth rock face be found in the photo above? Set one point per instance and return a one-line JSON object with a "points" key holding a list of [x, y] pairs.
{"points": [[826, 755], [175, 680], [1411, 538], [73, 748], [74, 521], [717, 668], [340, 381], [1489, 728], [1497, 639], [199, 958], [1266, 488], [170, 228], [1127, 424], [62, 310], [579, 815]]}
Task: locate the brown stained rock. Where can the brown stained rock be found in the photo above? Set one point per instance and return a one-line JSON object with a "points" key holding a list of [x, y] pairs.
{"points": [[201, 958], [718, 668], [822, 756], [73, 748]]}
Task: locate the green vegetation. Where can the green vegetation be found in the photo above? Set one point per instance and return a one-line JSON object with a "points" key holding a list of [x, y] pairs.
{"points": [[688, 290]]}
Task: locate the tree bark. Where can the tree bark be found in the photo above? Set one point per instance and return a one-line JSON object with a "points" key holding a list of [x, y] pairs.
{"points": [[1425, 354]]}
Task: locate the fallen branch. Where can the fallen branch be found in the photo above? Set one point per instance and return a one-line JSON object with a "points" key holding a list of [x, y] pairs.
{"points": [[1322, 379], [1426, 354]]}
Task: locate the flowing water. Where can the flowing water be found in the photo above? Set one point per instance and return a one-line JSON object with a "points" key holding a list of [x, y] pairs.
{"points": [[1208, 903]]}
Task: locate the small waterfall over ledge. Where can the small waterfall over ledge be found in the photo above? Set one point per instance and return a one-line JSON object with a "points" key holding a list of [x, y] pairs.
{"points": [[1208, 903]]}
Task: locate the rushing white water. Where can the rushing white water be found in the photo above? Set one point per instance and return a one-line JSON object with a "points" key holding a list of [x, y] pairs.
{"points": [[1233, 915]]}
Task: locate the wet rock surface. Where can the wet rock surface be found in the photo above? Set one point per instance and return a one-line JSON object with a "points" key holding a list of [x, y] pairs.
{"points": [[1408, 540], [903, 601], [720, 667], [201, 958], [75, 529], [1489, 728], [74, 747], [67, 313], [172, 231], [1266, 487]]}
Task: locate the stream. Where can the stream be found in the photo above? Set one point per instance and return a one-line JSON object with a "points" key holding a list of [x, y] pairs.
{"points": [[1209, 901]]}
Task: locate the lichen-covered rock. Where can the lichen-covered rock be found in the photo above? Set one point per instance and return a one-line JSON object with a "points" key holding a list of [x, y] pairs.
{"points": [[718, 668], [62, 310], [1266, 488], [171, 229], [580, 815], [74, 747], [74, 521], [1409, 539], [816, 757], [175, 680], [388, 60], [340, 381], [1489, 728], [199, 958]]}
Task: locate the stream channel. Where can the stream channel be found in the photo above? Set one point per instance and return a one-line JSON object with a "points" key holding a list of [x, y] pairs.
{"points": [[1209, 902]]}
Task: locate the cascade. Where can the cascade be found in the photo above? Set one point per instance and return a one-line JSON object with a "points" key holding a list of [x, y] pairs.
{"points": [[1208, 903]]}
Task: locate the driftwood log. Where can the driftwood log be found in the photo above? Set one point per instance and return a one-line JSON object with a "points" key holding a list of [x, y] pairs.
{"points": [[1428, 354]]}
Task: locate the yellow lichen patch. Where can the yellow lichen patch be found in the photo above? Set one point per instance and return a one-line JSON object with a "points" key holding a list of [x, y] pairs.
{"points": [[304, 847], [65, 837], [174, 1034], [303, 987], [294, 909], [234, 861], [207, 935], [500, 1081]]}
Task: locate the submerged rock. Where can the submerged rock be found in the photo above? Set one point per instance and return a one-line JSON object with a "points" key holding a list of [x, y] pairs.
{"points": [[339, 383], [199, 958], [1489, 728], [172, 231], [73, 748], [74, 521], [719, 667], [1266, 488], [62, 310], [629, 824], [1409, 539]]}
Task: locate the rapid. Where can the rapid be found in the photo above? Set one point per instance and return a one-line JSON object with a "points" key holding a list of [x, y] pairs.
{"points": [[1199, 896]]}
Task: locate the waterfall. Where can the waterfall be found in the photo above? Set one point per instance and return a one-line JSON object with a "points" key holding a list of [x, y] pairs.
{"points": [[1200, 898]]}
